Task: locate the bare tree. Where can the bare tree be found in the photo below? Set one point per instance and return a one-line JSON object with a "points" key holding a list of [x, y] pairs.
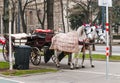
{"points": [[87, 9], [6, 16], [61, 3], [41, 20], [50, 15], [14, 13], [22, 7]]}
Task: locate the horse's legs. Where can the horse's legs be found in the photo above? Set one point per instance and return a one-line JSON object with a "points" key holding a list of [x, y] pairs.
{"points": [[69, 58], [77, 60], [83, 57], [57, 61], [90, 53]]}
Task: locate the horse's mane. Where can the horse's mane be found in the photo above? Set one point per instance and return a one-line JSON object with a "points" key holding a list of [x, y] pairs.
{"points": [[81, 32]]}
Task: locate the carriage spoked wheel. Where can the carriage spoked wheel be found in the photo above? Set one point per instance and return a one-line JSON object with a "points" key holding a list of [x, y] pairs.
{"points": [[5, 51], [35, 56]]}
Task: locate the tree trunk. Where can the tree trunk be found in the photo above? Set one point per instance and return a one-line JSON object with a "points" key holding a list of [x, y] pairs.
{"points": [[13, 17], [110, 33], [61, 2], [50, 15], [67, 15], [23, 23], [6, 16], [110, 44], [41, 20], [22, 16]]}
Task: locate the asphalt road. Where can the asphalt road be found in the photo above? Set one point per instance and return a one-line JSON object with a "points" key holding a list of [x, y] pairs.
{"points": [[82, 75], [102, 50], [65, 75]]}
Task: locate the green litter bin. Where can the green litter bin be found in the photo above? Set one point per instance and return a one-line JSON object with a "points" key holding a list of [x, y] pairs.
{"points": [[22, 55]]}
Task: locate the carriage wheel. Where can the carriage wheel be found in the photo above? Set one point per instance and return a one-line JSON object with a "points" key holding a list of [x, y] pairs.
{"points": [[35, 56], [5, 51]]}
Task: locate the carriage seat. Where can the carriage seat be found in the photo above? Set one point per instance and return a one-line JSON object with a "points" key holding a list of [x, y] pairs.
{"points": [[19, 35]]}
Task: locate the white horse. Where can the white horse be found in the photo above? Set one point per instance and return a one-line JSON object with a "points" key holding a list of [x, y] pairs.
{"points": [[70, 44], [86, 41], [65, 42], [98, 34], [93, 34]]}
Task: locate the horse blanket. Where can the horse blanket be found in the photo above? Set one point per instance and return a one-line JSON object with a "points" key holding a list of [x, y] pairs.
{"points": [[67, 42]]}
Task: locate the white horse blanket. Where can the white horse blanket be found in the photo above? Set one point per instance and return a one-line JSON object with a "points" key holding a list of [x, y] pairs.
{"points": [[67, 42]]}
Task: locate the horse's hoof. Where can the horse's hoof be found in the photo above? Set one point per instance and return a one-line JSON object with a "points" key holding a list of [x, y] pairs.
{"points": [[83, 66], [58, 66], [92, 66]]}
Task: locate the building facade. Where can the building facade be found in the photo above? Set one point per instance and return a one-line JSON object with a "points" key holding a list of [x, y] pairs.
{"points": [[31, 15]]}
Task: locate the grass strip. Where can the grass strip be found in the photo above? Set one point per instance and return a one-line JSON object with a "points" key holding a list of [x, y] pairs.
{"points": [[0, 50], [4, 69], [4, 65], [102, 57], [26, 72]]}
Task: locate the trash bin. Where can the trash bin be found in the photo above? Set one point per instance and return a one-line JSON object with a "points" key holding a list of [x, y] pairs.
{"points": [[22, 55]]}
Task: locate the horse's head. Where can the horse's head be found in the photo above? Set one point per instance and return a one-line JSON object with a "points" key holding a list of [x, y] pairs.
{"points": [[101, 34], [88, 31]]}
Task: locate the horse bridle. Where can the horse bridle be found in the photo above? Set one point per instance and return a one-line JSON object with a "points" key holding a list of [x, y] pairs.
{"points": [[98, 33], [89, 32]]}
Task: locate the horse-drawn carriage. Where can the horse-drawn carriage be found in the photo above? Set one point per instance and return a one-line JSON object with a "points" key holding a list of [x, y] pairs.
{"points": [[39, 41]]}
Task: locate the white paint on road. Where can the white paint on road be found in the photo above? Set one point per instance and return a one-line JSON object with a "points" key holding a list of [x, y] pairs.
{"points": [[9, 80], [92, 72]]}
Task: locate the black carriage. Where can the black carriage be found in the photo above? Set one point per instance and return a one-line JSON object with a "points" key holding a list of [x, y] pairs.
{"points": [[39, 40]]}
